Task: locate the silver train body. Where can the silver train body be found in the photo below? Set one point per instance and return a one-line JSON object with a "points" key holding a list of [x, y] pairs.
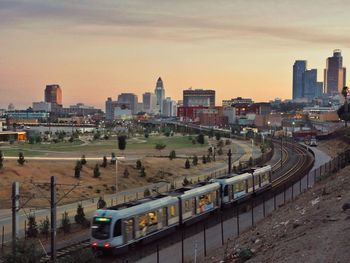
{"points": [[122, 225]]}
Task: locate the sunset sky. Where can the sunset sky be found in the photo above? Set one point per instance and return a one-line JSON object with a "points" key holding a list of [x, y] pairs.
{"points": [[98, 48]]}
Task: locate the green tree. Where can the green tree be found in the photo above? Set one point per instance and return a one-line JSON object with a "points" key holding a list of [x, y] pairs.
{"points": [[21, 159], [104, 162], [77, 170], [204, 159], [220, 151], [138, 164], [83, 160], [44, 227], [172, 155], [195, 160], [80, 218], [187, 164], [126, 173], [97, 172], [32, 230], [146, 135], [200, 138], [208, 158], [121, 142], [65, 223]]}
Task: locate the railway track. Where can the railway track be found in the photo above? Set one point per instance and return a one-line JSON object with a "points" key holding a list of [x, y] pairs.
{"points": [[290, 151]]}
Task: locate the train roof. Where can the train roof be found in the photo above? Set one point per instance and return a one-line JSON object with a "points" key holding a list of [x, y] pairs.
{"points": [[137, 207], [235, 178], [195, 190], [262, 169]]}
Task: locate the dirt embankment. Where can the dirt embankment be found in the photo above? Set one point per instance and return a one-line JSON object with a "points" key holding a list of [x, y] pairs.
{"points": [[313, 228]]}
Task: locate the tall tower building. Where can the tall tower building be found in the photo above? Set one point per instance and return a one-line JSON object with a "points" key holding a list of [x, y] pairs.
{"points": [[53, 94], [311, 88], [299, 68], [199, 97], [130, 100], [334, 74], [149, 102], [160, 93]]}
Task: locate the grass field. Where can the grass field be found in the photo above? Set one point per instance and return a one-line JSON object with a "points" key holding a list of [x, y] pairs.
{"points": [[139, 143]]}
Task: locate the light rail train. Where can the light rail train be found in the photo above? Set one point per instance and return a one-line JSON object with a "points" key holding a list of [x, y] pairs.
{"points": [[125, 224]]}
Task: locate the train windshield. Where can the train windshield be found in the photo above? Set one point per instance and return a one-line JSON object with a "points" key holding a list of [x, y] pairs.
{"points": [[101, 227]]}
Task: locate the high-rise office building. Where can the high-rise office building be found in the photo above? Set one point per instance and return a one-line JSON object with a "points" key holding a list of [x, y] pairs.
{"points": [[110, 106], [334, 74], [160, 94], [311, 88], [169, 107], [53, 94], [198, 97], [299, 68], [149, 102], [129, 100]]}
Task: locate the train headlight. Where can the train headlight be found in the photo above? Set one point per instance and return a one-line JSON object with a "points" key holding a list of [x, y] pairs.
{"points": [[94, 244], [107, 245]]}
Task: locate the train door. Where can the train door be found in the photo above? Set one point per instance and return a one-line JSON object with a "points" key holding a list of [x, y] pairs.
{"points": [[164, 216], [129, 229]]}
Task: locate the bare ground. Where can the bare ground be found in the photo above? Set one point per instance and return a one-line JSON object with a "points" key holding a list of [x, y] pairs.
{"points": [[313, 228]]}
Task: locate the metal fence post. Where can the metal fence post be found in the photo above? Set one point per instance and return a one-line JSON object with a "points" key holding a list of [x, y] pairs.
{"points": [[274, 201], [315, 171], [182, 247], [222, 230], [25, 229], [307, 181], [264, 205], [252, 204], [237, 209], [300, 185], [205, 240], [157, 253], [2, 237]]}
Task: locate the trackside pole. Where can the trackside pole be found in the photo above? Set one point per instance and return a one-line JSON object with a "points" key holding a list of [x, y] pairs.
{"points": [[15, 206], [53, 218]]}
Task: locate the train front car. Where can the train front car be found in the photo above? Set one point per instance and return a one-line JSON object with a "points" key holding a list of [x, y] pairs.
{"points": [[119, 226]]}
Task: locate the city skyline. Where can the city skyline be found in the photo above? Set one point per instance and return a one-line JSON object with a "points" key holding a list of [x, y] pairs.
{"points": [[94, 51]]}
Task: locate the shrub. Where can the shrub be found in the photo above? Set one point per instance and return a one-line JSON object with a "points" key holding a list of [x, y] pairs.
{"points": [[200, 138], [228, 142], [204, 159], [21, 159], [143, 172], [113, 159], [126, 173], [79, 218], [217, 136], [138, 164], [32, 230], [77, 170], [146, 135], [1, 160], [44, 227], [104, 162], [146, 192], [26, 251], [195, 160], [220, 151], [65, 223], [97, 172], [172, 155], [121, 142], [185, 182], [83, 160], [187, 164], [160, 146]]}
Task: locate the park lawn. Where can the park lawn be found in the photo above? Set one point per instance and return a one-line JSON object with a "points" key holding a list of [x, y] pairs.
{"points": [[140, 143]]}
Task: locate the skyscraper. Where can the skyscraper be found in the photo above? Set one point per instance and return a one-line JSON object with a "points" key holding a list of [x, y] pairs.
{"points": [[160, 93], [149, 102], [311, 88], [334, 74], [169, 107], [53, 94], [299, 68]]}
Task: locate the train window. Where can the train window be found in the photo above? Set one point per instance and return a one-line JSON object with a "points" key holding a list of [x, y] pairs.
{"points": [[143, 222], [117, 228], [250, 183], [226, 190], [172, 211], [129, 229], [152, 218], [101, 228], [188, 205]]}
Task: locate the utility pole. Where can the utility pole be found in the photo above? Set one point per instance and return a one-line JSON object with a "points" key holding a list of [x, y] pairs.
{"points": [[116, 175], [15, 206], [229, 154], [53, 218]]}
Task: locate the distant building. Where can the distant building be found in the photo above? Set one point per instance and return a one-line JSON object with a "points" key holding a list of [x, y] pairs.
{"points": [[160, 94], [189, 114], [311, 88], [53, 94], [122, 114], [334, 74], [129, 99], [198, 97], [13, 136], [110, 105], [238, 100], [42, 106], [169, 108], [212, 117], [299, 68], [149, 103], [11, 107]]}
